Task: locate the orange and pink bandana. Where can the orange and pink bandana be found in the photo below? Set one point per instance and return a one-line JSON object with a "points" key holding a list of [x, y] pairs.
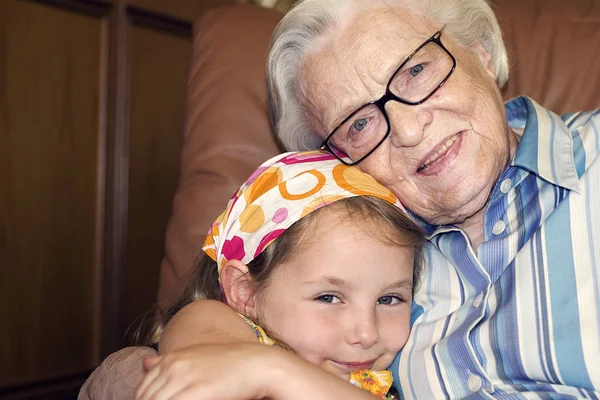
{"points": [[280, 192]]}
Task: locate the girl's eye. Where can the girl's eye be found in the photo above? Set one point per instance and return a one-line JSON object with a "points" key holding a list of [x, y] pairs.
{"points": [[416, 70], [328, 298], [389, 300]]}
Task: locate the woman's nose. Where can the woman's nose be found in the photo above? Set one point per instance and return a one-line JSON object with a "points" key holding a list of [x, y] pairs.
{"points": [[407, 123], [365, 332]]}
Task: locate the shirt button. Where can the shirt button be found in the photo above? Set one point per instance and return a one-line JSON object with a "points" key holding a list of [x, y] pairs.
{"points": [[505, 185], [474, 383], [498, 227], [477, 300]]}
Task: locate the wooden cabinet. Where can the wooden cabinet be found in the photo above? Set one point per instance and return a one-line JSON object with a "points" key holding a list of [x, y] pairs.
{"points": [[92, 104], [182, 9], [50, 197], [156, 126]]}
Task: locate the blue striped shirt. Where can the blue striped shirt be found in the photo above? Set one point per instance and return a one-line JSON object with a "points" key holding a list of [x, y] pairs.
{"points": [[520, 316]]}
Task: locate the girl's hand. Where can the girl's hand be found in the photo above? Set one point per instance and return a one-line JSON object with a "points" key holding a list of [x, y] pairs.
{"points": [[240, 371], [207, 372]]}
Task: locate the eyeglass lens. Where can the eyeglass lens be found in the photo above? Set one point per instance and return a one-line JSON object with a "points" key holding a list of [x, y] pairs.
{"points": [[413, 82]]}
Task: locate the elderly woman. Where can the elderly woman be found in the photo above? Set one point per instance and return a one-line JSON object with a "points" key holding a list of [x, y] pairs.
{"points": [[509, 195]]}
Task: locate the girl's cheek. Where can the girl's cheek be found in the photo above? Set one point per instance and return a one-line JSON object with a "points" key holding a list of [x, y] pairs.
{"points": [[309, 331], [396, 332]]}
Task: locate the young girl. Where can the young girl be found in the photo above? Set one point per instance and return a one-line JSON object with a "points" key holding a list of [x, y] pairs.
{"points": [[311, 256]]}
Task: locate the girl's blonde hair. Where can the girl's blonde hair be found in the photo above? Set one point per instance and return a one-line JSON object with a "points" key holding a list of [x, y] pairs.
{"points": [[374, 213]]}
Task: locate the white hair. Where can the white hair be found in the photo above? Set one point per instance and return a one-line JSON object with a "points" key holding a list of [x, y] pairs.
{"points": [[470, 22]]}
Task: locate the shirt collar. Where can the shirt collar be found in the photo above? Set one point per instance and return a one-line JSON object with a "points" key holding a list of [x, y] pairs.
{"points": [[546, 147], [428, 229]]}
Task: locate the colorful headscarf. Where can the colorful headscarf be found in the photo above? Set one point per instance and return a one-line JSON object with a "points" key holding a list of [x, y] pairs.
{"points": [[280, 192]]}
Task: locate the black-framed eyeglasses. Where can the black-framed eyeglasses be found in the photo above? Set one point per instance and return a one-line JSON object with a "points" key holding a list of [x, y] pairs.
{"points": [[423, 72]]}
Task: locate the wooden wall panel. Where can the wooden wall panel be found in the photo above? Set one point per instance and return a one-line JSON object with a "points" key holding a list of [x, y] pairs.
{"points": [[92, 108], [50, 173], [158, 88], [187, 10]]}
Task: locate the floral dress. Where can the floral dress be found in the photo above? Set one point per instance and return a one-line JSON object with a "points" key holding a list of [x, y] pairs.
{"points": [[377, 383]]}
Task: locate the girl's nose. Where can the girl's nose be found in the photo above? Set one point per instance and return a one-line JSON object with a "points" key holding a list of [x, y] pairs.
{"points": [[365, 332]]}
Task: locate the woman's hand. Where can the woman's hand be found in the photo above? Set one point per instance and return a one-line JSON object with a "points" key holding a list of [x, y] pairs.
{"points": [[118, 375], [215, 371]]}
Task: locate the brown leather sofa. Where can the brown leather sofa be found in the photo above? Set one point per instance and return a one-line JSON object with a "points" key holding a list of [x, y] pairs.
{"points": [[554, 46], [227, 133], [555, 51]]}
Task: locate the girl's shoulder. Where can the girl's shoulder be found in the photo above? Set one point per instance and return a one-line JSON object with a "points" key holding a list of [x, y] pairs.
{"points": [[204, 322]]}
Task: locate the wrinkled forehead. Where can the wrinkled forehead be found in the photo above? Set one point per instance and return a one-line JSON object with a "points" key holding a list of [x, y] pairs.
{"points": [[352, 64]]}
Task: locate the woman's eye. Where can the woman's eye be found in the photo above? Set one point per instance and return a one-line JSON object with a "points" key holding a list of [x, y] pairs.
{"points": [[359, 124], [416, 70], [328, 298], [389, 300]]}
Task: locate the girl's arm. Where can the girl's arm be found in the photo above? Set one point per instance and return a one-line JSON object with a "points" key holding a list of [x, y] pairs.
{"points": [[293, 378], [209, 352], [201, 322], [205, 322], [243, 371]]}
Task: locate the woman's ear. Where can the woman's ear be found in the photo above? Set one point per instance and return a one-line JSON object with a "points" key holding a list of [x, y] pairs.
{"points": [[238, 287], [486, 61]]}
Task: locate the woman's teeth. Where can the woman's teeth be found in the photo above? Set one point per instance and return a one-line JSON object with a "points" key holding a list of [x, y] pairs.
{"points": [[441, 152]]}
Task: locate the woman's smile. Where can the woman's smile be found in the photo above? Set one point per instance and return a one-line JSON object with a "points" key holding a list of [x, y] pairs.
{"points": [[439, 152]]}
